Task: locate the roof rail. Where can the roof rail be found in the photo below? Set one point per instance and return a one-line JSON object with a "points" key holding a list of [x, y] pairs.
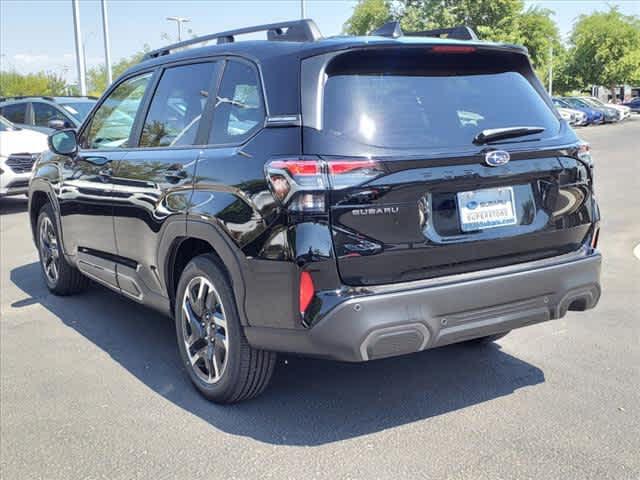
{"points": [[460, 32], [392, 29], [293, 31], [51, 98], [23, 97]]}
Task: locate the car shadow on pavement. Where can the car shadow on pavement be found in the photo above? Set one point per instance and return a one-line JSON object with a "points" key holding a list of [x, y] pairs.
{"points": [[310, 402], [13, 205]]}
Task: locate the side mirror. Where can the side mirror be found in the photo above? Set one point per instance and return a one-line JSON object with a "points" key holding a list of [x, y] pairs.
{"points": [[56, 124], [64, 142]]}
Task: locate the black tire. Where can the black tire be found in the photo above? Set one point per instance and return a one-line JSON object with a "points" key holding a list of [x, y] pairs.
{"points": [[68, 280], [488, 339], [241, 372]]}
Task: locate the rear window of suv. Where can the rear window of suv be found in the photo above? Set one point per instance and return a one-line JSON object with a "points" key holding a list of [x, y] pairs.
{"points": [[427, 101]]}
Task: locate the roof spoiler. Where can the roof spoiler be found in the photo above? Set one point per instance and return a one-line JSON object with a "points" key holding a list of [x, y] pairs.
{"points": [[294, 31], [393, 30]]}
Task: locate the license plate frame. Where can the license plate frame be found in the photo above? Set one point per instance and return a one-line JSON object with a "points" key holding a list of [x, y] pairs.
{"points": [[486, 208]]}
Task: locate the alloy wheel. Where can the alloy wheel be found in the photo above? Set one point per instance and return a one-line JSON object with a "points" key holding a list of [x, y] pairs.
{"points": [[49, 253], [204, 330]]}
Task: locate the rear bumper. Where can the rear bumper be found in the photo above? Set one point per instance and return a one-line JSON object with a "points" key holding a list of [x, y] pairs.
{"points": [[414, 317]]}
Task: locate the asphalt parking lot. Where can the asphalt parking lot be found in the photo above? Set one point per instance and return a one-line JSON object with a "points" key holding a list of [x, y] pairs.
{"points": [[91, 385]]}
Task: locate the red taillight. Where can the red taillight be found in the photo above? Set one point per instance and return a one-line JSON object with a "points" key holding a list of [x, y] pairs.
{"points": [[307, 290], [297, 167], [452, 49], [301, 184], [339, 167]]}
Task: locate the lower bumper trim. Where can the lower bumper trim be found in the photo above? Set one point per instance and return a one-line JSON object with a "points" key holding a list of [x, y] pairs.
{"points": [[382, 325]]}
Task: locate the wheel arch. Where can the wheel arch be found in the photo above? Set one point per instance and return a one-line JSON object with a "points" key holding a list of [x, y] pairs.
{"points": [[179, 247], [41, 193]]}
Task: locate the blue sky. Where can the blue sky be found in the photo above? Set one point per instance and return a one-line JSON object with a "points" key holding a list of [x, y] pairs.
{"points": [[38, 34]]}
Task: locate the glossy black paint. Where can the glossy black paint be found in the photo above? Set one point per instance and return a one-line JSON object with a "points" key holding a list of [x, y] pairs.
{"points": [[125, 214], [422, 238]]}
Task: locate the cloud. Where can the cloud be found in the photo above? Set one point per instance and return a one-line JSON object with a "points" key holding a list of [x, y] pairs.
{"points": [[29, 59], [63, 64]]}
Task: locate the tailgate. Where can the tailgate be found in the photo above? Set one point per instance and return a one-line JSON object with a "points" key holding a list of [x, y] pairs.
{"points": [[423, 198]]}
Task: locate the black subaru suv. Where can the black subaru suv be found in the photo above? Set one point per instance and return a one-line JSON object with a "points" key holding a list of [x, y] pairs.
{"points": [[349, 198]]}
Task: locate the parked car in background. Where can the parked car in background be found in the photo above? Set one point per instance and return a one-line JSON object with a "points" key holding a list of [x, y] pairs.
{"points": [[633, 104], [624, 111], [567, 115], [581, 117], [46, 114], [594, 117], [19, 148], [574, 117], [610, 115]]}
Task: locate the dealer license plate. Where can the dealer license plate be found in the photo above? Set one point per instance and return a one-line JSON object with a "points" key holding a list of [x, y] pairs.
{"points": [[487, 208]]}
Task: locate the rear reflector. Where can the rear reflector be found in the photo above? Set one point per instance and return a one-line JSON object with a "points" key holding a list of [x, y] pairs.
{"points": [[307, 290], [452, 49]]}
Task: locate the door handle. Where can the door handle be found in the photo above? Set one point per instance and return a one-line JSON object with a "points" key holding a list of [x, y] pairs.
{"points": [[174, 175]]}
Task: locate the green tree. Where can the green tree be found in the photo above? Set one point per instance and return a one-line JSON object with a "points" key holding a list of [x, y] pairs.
{"points": [[605, 49], [367, 16], [494, 20], [13, 83], [97, 76], [538, 32], [491, 19], [564, 80]]}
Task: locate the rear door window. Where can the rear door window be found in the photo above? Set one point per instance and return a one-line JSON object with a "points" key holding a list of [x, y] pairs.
{"points": [[177, 105], [239, 110], [16, 113]]}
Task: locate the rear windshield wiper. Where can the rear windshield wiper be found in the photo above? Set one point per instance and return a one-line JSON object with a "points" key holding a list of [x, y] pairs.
{"points": [[491, 134]]}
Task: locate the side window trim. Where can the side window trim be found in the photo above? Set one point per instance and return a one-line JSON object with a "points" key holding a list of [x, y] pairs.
{"points": [[206, 122]]}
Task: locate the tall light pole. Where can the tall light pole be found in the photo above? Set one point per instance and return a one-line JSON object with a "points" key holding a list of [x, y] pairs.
{"points": [[105, 33], [179, 21], [79, 50], [550, 69], [302, 13], [84, 50]]}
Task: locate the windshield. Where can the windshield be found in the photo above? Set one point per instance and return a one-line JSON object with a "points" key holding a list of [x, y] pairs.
{"points": [[6, 125], [410, 110], [78, 110]]}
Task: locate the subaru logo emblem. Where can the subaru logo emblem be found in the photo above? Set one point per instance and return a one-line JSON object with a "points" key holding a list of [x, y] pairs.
{"points": [[495, 158]]}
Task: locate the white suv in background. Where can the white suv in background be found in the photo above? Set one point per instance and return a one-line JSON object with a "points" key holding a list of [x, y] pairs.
{"points": [[19, 148]]}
